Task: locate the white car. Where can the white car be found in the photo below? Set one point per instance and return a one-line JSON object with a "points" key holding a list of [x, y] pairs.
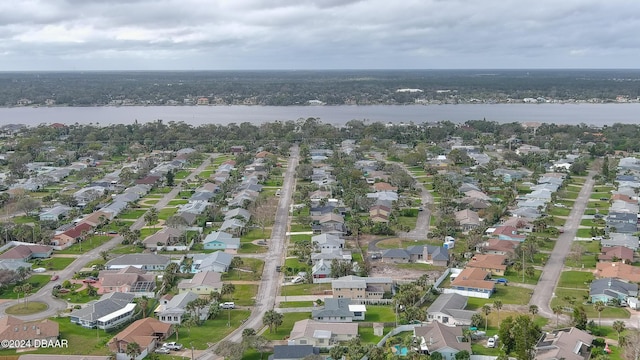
{"points": [[297, 280], [491, 343], [39, 270], [228, 305]]}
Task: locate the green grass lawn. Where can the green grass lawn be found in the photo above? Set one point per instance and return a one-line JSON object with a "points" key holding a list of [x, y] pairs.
{"points": [[407, 221], [570, 194], [367, 337], [24, 219], [244, 295], [559, 211], [166, 213], [575, 279], [55, 264], [296, 304], [294, 266], [380, 313], [419, 266], [256, 234], [205, 174], [305, 289], [249, 248], [583, 233], [176, 202], [255, 267], [151, 201], [92, 242], [289, 319], [211, 331], [599, 196], [593, 222], [182, 174], [297, 238], [516, 277], [125, 249], [36, 281], [132, 214], [506, 294], [300, 228], [28, 308], [79, 297]]}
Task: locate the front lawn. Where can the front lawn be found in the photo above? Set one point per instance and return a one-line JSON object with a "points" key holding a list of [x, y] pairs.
{"points": [[249, 248], [177, 202], [575, 279], [211, 331], [305, 289], [380, 313], [252, 270], [516, 277], [506, 294], [296, 304], [166, 213], [36, 281], [90, 243], [289, 319], [79, 297], [244, 295], [132, 214], [55, 264]]}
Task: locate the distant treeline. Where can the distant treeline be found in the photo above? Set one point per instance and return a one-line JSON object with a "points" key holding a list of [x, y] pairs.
{"points": [[283, 88]]}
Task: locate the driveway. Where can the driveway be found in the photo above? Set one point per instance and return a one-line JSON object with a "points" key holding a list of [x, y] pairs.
{"points": [[271, 279], [56, 305], [545, 289]]}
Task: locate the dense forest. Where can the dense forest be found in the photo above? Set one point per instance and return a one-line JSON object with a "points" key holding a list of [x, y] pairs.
{"points": [[360, 87]]}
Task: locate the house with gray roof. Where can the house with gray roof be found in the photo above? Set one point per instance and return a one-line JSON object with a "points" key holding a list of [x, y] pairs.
{"points": [[339, 310], [172, 311], [148, 262], [338, 254], [14, 265], [292, 352], [194, 207], [239, 213], [218, 261], [397, 256], [327, 242], [440, 338], [232, 225], [220, 240], [568, 344], [164, 237], [201, 196], [321, 334], [617, 239], [55, 213], [622, 222], [607, 289], [429, 254], [448, 309], [112, 310]]}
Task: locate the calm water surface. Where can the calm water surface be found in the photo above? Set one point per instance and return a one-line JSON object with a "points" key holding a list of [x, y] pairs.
{"points": [[591, 114]]}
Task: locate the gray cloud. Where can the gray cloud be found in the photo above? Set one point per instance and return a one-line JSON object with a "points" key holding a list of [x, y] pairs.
{"points": [[317, 34]]}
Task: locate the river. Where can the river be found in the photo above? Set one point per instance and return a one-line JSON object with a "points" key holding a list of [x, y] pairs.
{"points": [[591, 114]]}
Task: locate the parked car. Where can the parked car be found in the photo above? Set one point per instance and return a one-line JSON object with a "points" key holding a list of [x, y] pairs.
{"points": [[297, 280], [491, 342], [39, 270], [172, 346], [228, 305], [89, 280], [55, 277], [162, 350], [501, 281]]}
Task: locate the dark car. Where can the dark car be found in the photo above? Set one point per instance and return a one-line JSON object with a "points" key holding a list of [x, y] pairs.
{"points": [[501, 281]]}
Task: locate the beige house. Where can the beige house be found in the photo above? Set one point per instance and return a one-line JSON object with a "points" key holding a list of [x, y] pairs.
{"points": [[129, 279], [355, 287], [147, 333], [311, 332], [202, 283], [14, 329], [493, 263]]}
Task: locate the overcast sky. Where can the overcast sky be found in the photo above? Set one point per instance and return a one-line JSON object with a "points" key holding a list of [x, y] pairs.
{"points": [[317, 34]]}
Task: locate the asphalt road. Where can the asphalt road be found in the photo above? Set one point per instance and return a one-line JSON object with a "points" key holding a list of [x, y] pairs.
{"points": [[57, 305], [270, 282], [545, 289]]}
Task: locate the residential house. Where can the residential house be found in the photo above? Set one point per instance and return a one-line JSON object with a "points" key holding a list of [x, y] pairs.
{"points": [[220, 240], [618, 239], [618, 270], [62, 357], [290, 352], [339, 310], [128, 279], [327, 242], [616, 253], [498, 247], [467, 219], [321, 269], [608, 289], [472, 282], [383, 186], [495, 264], [238, 213], [622, 222], [172, 311], [321, 334], [55, 213], [338, 254], [568, 344], [148, 262], [396, 256], [379, 213], [218, 261], [429, 254], [96, 218], [14, 265], [112, 310], [147, 333], [355, 287], [383, 196], [232, 225], [448, 309], [165, 237], [27, 252], [202, 283], [506, 233], [67, 238], [440, 338], [16, 331]]}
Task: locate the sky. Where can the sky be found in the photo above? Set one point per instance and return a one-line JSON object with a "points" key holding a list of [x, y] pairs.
{"points": [[42, 35]]}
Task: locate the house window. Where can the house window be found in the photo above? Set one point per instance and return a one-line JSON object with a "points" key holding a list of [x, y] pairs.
{"points": [[303, 342]]}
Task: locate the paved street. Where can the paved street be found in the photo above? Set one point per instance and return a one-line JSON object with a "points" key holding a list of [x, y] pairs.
{"points": [[56, 305], [271, 280], [544, 290]]}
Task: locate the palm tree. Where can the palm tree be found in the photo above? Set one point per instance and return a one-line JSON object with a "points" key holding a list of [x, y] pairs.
{"points": [[497, 305], [26, 288], [486, 310], [599, 306], [227, 289], [533, 310], [151, 217], [105, 255], [619, 326], [18, 289], [557, 310], [143, 302], [272, 319], [133, 349]]}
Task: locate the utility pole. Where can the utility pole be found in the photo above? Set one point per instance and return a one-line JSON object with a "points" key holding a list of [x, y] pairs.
{"points": [[523, 265]]}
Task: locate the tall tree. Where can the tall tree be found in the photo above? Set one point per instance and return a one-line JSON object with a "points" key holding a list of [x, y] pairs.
{"points": [[486, 310], [599, 307], [618, 327], [557, 310], [133, 350], [498, 306], [272, 319]]}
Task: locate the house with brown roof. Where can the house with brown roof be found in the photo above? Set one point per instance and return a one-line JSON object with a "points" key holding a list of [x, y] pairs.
{"points": [[164, 237], [568, 344], [202, 283], [65, 239], [495, 264], [14, 329], [321, 334], [616, 253], [618, 270], [27, 252], [472, 282], [97, 218], [126, 280], [383, 186], [148, 180], [262, 154], [147, 333], [498, 247], [379, 213], [443, 339], [467, 219]]}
